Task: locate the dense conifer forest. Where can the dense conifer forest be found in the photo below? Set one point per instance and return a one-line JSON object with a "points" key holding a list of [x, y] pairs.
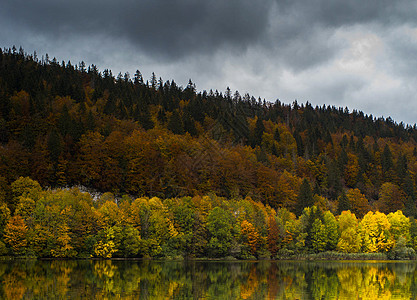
{"points": [[255, 177]]}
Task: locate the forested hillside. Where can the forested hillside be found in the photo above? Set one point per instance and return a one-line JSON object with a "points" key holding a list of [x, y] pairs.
{"points": [[65, 125], [193, 174]]}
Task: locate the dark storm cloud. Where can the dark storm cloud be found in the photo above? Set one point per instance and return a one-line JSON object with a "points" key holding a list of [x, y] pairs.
{"points": [[347, 53], [176, 29], [169, 29]]}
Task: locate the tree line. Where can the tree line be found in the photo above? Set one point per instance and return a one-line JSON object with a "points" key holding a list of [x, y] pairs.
{"points": [[65, 223]]}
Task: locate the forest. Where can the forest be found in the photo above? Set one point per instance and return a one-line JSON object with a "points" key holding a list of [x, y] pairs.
{"points": [[67, 223], [152, 154]]}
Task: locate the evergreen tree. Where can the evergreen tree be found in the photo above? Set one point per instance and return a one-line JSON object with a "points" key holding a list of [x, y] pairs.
{"points": [[408, 186], [189, 125], [274, 150], [258, 132], [145, 118], [401, 169], [138, 79], [65, 122], [305, 197], [300, 144], [277, 136], [342, 160], [410, 209], [91, 123], [54, 145], [343, 203], [334, 184], [175, 123], [161, 116], [386, 159]]}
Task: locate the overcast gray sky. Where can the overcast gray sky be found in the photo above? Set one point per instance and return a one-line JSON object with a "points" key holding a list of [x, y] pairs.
{"points": [[359, 54]]}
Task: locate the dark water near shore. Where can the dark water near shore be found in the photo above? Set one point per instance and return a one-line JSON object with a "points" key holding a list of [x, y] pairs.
{"points": [[121, 279]]}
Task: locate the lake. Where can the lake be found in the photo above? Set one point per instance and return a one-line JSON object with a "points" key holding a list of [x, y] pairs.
{"points": [[126, 279]]}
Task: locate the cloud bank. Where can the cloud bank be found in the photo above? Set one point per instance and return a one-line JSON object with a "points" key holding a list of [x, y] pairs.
{"points": [[362, 55]]}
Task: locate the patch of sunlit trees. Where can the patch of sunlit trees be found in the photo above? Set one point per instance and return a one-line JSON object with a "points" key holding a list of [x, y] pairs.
{"points": [[70, 223]]}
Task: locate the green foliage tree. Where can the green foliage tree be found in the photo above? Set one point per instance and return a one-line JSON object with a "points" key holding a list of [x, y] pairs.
{"points": [[24, 187], [220, 231], [332, 230]]}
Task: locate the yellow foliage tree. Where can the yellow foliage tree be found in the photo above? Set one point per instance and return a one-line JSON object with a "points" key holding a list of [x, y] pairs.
{"points": [[251, 235], [375, 232], [349, 241], [400, 225]]}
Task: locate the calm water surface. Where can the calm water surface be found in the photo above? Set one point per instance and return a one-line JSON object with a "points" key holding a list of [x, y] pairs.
{"points": [[207, 280]]}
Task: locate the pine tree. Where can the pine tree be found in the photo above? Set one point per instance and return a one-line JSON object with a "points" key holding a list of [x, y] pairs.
{"points": [[299, 142], [145, 118], [138, 79], [386, 159], [54, 145], [175, 123], [189, 125], [305, 197], [410, 209], [277, 137], [343, 203], [334, 183], [91, 123], [258, 132]]}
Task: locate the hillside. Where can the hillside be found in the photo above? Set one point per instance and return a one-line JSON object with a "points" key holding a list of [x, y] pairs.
{"points": [[67, 125]]}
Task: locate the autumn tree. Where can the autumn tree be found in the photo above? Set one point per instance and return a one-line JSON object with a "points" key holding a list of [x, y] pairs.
{"points": [[375, 232], [274, 235], [351, 170], [15, 235], [400, 225], [349, 241], [24, 187], [391, 198], [358, 202]]}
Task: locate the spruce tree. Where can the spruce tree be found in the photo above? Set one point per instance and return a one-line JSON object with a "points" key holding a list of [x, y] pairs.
{"points": [[258, 132], [175, 123], [145, 118], [386, 159], [299, 142], [410, 207], [305, 197], [277, 136], [343, 203], [54, 145]]}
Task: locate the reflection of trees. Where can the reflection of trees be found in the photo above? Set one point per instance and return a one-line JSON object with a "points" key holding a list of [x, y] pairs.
{"points": [[107, 279], [13, 284]]}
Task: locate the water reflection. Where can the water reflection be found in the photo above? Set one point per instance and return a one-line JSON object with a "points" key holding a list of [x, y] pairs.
{"points": [[86, 279]]}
